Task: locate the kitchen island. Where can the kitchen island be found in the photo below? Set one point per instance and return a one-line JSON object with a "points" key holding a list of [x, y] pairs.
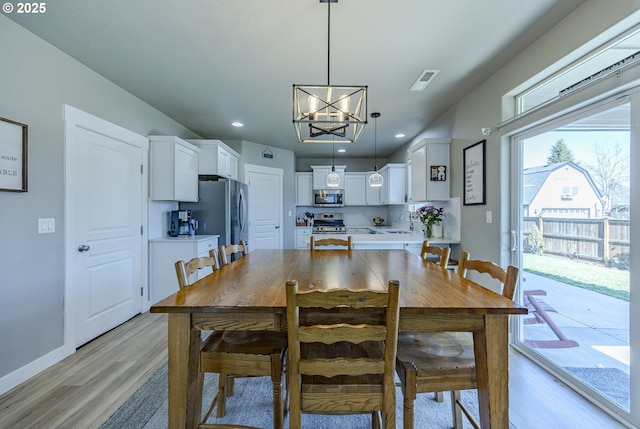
{"points": [[387, 238]]}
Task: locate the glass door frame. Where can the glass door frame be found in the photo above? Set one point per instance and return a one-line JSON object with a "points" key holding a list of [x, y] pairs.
{"points": [[515, 143]]}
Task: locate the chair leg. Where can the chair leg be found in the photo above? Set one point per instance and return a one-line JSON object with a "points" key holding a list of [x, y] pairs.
{"points": [[455, 410], [276, 381], [409, 394], [376, 420], [439, 396], [222, 395]]}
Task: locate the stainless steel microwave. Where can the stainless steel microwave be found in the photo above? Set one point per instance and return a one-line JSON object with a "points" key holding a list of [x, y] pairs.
{"points": [[328, 197]]}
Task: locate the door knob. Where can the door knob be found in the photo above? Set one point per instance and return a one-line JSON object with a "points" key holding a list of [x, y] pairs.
{"points": [[83, 248]]}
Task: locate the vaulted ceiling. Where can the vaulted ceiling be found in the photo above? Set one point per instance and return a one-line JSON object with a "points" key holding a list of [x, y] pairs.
{"points": [[208, 63]]}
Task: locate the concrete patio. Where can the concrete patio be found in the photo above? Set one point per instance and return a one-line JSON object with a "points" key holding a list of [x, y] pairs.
{"points": [[598, 323]]}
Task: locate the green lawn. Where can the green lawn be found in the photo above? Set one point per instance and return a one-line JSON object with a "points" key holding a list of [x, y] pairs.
{"points": [[587, 275]]}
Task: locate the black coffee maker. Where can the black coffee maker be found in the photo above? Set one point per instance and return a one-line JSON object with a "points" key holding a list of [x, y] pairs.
{"points": [[181, 223]]}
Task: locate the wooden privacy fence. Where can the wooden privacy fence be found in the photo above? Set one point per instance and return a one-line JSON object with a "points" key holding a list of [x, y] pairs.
{"points": [[603, 240]]}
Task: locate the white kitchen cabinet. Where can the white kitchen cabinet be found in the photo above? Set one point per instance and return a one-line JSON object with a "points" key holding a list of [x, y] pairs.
{"points": [[354, 189], [303, 235], [357, 191], [320, 175], [165, 252], [304, 189], [217, 159], [173, 169], [428, 155], [394, 189]]}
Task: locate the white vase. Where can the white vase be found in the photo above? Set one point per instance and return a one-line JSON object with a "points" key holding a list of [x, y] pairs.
{"points": [[437, 230]]}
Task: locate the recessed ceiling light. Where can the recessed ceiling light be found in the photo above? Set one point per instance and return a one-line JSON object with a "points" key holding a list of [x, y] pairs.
{"points": [[237, 124], [342, 150], [399, 135]]}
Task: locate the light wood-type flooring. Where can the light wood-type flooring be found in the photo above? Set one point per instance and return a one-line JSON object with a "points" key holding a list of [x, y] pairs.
{"points": [[83, 390]]}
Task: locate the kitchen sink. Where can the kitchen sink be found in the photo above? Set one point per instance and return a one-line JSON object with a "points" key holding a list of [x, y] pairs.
{"points": [[398, 232]]}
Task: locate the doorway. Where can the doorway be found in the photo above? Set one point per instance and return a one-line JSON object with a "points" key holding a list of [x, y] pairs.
{"points": [[105, 226], [265, 206], [574, 249]]}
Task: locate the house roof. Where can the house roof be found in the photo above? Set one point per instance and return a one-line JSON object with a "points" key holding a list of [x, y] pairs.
{"points": [[534, 177]]}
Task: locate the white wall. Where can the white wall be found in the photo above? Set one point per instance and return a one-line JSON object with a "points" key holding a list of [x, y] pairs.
{"points": [[589, 26], [36, 80]]}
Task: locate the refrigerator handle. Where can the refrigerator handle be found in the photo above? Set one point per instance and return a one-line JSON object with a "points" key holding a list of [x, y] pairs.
{"points": [[241, 209]]}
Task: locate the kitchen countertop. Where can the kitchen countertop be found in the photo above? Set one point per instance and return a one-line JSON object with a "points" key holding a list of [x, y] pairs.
{"points": [[184, 238], [384, 235]]}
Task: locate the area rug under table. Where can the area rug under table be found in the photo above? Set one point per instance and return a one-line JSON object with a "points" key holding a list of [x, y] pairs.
{"points": [[251, 405]]}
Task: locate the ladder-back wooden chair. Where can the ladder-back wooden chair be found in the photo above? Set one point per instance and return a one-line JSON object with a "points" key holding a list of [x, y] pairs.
{"points": [[237, 353], [337, 367], [444, 361], [185, 269], [313, 242], [442, 253], [232, 252]]}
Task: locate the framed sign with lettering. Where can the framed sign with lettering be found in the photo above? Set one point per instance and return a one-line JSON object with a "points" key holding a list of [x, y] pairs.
{"points": [[13, 156], [474, 174]]}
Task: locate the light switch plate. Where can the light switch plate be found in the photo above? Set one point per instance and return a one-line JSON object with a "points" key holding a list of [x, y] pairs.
{"points": [[489, 216], [46, 225]]}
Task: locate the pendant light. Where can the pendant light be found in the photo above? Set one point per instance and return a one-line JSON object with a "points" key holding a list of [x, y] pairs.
{"points": [[329, 113], [375, 180], [333, 178]]}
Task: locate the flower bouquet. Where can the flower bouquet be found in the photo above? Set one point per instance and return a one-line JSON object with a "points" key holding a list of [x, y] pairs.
{"points": [[430, 215]]}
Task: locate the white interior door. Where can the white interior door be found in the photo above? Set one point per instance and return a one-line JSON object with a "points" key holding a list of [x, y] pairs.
{"points": [[265, 206], [105, 194]]}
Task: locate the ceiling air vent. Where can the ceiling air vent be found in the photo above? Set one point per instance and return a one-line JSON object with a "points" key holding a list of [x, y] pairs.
{"points": [[423, 80]]}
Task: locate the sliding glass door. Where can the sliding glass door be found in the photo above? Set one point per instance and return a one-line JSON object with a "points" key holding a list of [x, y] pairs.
{"points": [[573, 243]]}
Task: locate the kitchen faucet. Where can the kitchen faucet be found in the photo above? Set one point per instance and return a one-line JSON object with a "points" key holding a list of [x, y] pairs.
{"points": [[410, 219]]}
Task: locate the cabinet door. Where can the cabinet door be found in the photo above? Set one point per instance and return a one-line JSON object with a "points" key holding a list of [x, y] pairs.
{"points": [[223, 162], [185, 176], [438, 155], [395, 181], [372, 195], [419, 174], [233, 167], [304, 189], [354, 189], [320, 178]]}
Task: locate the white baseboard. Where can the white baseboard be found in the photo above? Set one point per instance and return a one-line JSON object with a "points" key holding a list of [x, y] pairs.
{"points": [[21, 375]]}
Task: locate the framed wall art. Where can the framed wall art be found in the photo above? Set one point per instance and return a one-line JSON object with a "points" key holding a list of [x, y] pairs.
{"points": [[13, 156], [438, 173], [474, 174]]}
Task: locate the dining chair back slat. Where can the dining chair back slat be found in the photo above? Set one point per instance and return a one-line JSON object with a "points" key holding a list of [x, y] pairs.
{"points": [[343, 366], [348, 243], [442, 253]]}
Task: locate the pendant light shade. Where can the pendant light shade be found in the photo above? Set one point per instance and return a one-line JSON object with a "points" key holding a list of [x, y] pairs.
{"points": [[375, 180]]}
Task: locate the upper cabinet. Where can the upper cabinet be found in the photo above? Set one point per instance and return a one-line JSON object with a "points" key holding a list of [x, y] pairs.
{"points": [[430, 171], [173, 174], [320, 175], [217, 159], [304, 189], [394, 189], [355, 189]]}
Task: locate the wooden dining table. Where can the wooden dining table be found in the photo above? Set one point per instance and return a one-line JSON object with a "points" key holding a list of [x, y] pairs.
{"points": [[249, 294]]}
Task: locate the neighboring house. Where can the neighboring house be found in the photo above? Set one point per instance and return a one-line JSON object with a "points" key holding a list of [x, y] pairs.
{"points": [[563, 189]]}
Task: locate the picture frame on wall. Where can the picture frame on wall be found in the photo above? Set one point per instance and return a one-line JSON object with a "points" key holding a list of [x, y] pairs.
{"points": [[13, 156], [474, 174]]}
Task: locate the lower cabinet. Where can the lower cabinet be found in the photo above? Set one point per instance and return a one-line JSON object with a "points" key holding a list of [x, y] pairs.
{"points": [[165, 252], [302, 237]]}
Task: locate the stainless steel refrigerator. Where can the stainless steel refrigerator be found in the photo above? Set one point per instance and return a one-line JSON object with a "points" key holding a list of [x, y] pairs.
{"points": [[221, 210]]}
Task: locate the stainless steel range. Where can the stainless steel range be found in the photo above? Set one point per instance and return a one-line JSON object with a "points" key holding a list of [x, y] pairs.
{"points": [[328, 223]]}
